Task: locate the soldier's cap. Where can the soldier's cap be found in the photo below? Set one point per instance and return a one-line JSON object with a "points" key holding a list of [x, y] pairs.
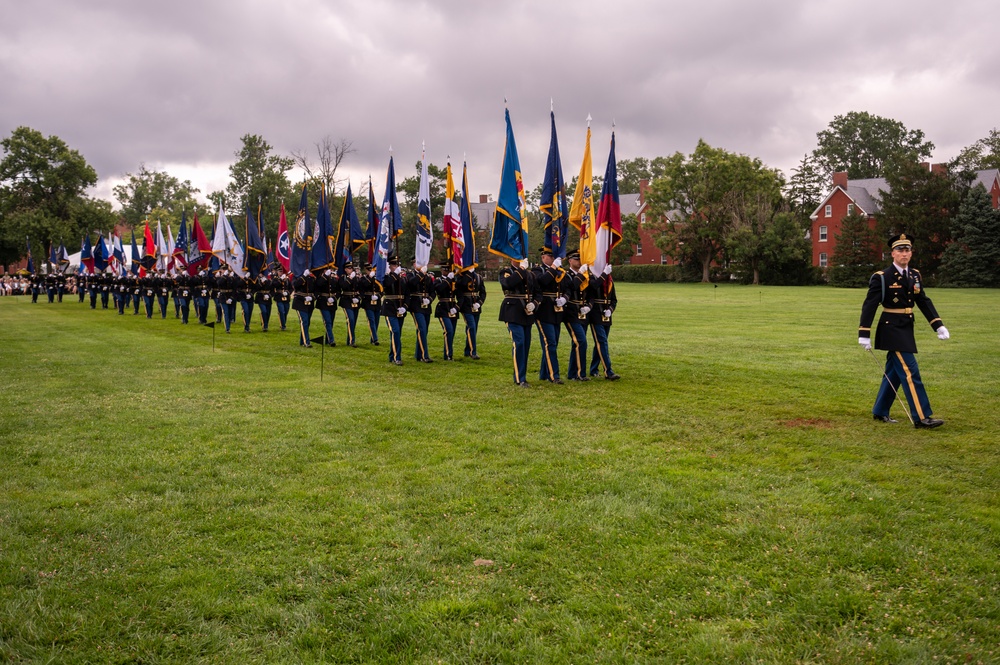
{"points": [[575, 254], [545, 251], [349, 264], [393, 260], [902, 241]]}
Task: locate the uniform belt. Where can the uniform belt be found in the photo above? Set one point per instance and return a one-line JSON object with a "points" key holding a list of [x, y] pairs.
{"points": [[603, 302], [515, 295], [368, 293], [422, 295], [446, 300], [550, 295], [393, 297], [328, 295], [908, 310], [349, 293]]}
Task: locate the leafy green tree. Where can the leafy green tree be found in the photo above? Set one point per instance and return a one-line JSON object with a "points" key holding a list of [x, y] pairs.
{"points": [[973, 257], [856, 254], [631, 172], [863, 145], [630, 238], [157, 194], [920, 203], [806, 187], [408, 191], [983, 154], [753, 209], [787, 253], [693, 201], [42, 194]]}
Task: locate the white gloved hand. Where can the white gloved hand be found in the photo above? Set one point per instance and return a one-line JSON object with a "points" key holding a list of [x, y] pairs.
{"points": [[267, 297], [425, 301], [607, 269], [557, 263], [309, 299], [943, 333], [452, 312], [475, 307], [584, 268], [398, 270], [423, 270], [355, 301], [371, 273], [329, 301], [401, 311], [560, 301], [530, 307], [229, 301], [607, 313], [451, 275], [866, 343], [585, 310], [374, 298], [523, 263]]}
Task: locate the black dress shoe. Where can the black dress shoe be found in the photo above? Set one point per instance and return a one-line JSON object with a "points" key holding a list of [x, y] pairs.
{"points": [[396, 362], [928, 423], [613, 377], [524, 384], [885, 419], [557, 381]]}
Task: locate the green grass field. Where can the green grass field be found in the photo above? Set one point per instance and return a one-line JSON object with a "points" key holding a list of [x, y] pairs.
{"points": [[729, 500]]}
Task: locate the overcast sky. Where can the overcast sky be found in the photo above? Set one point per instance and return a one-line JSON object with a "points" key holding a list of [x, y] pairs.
{"points": [[176, 84]]}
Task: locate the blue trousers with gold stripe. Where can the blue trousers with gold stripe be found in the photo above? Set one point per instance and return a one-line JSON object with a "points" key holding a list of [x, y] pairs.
{"points": [[395, 337], [520, 338], [548, 333], [901, 370]]}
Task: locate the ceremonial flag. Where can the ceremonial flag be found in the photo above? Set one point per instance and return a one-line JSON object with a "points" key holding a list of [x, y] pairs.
{"points": [[149, 249], [283, 251], [425, 236], [302, 239], [87, 254], [117, 251], [322, 249], [225, 245], [271, 264], [581, 214], [349, 234], [101, 255], [470, 256], [63, 258], [609, 214], [31, 263], [52, 255], [510, 225], [201, 248], [256, 255], [162, 249], [390, 223], [553, 206], [451, 226], [136, 261], [180, 252], [371, 233]]}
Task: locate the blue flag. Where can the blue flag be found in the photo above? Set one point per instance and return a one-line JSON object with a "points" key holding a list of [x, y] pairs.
{"points": [[87, 255], [182, 242], [322, 249], [422, 251], [134, 268], [469, 254], [100, 255], [255, 255], [302, 239], [553, 206], [31, 263], [390, 224], [52, 254], [510, 225], [371, 233], [349, 234]]}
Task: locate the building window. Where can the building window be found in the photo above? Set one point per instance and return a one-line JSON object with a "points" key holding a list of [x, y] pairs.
{"points": [[822, 234], [638, 249], [822, 259], [828, 211], [850, 208], [664, 259], [642, 218]]}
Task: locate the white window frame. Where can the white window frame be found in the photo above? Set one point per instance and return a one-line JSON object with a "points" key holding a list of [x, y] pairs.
{"points": [[828, 211], [823, 233], [850, 208], [822, 260]]}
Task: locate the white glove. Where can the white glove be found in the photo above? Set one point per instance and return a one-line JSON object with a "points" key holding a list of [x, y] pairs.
{"points": [[267, 297], [560, 301], [866, 343], [585, 310], [451, 275], [374, 298], [607, 269], [943, 333], [557, 263], [425, 301], [423, 269], [523, 263], [329, 301], [398, 270], [530, 307], [371, 273], [584, 268], [328, 272], [229, 301], [355, 301], [401, 311], [309, 299], [452, 312], [607, 313], [475, 307]]}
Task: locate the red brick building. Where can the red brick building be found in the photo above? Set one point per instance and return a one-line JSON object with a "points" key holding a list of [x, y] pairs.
{"points": [[645, 252]]}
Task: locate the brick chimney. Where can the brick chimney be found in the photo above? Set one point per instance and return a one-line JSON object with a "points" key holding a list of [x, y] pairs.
{"points": [[939, 169], [484, 198], [840, 180], [925, 166], [643, 188]]}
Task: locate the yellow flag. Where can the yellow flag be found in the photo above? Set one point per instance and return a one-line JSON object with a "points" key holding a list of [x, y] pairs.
{"points": [[581, 214]]}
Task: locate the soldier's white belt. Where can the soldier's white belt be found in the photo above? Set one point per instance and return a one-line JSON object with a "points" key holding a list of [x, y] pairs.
{"points": [[908, 310]]}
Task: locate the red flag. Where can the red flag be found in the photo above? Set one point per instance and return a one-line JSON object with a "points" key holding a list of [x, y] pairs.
{"points": [[204, 246], [282, 253]]}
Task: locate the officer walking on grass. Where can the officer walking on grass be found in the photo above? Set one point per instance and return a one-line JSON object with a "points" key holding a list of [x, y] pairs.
{"points": [[898, 288]]}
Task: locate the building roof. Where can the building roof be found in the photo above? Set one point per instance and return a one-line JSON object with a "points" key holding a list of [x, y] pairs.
{"points": [[986, 178], [482, 214]]}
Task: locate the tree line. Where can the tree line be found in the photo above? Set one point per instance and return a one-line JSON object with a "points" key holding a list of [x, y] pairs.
{"points": [[715, 212]]}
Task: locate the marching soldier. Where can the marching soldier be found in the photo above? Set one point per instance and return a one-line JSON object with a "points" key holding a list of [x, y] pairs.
{"points": [[149, 293], [50, 286], [228, 285], [446, 311], [200, 289], [246, 296], [304, 302], [898, 288], [282, 297], [163, 284], [263, 295], [471, 292], [327, 286], [104, 284], [394, 307], [138, 289], [350, 300], [421, 289], [549, 315], [603, 302], [575, 317], [371, 300], [518, 311], [182, 294]]}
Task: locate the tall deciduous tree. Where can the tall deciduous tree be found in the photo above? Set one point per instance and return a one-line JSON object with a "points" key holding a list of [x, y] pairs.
{"points": [[155, 193], [631, 172], [630, 238], [753, 210], [973, 257], [693, 201], [863, 144], [856, 254], [329, 155], [983, 154]]}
